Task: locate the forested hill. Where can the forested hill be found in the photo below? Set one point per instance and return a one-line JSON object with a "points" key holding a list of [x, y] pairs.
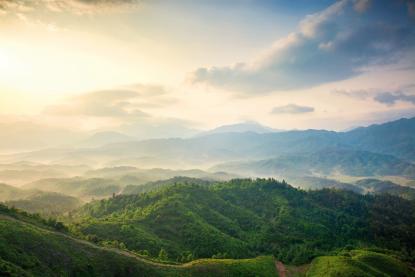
{"points": [[30, 246], [246, 218]]}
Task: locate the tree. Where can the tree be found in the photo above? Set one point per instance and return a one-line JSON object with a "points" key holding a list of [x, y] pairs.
{"points": [[163, 254]]}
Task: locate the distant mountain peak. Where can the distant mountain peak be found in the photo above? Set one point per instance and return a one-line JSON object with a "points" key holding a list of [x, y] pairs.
{"points": [[105, 137], [242, 127]]}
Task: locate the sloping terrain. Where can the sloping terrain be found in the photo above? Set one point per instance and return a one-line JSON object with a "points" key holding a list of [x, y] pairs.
{"points": [[245, 218], [46, 203], [29, 248], [36, 201], [359, 263]]}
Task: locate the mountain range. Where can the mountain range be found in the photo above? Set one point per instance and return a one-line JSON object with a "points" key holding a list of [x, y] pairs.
{"points": [[377, 147]]}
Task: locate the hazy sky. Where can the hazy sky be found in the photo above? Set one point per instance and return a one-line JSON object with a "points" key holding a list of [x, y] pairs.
{"points": [[180, 64]]}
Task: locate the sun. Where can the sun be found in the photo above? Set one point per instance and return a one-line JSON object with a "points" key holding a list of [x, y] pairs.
{"points": [[5, 60]]}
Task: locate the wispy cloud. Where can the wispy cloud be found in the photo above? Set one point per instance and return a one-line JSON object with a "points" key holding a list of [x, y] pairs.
{"points": [[362, 5], [359, 94], [122, 110], [390, 98], [292, 109], [75, 6], [385, 97], [330, 45], [124, 103]]}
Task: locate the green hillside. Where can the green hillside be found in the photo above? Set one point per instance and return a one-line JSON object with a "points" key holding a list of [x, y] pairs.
{"points": [[36, 201], [28, 247], [245, 218], [85, 188], [12, 193], [46, 203], [134, 189], [359, 263]]}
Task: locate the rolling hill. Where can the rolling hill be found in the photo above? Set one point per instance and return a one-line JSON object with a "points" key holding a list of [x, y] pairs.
{"points": [[84, 188], [244, 218], [28, 247], [37, 201], [20, 173], [46, 203], [380, 186], [359, 263], [104, 182]]}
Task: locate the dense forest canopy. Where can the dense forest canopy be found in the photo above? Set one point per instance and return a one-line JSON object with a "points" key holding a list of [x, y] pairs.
{"points": [[245, 218]]}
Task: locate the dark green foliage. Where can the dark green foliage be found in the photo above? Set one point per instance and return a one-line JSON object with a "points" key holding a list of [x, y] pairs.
{"points": [[9, 269], [245, 218]]}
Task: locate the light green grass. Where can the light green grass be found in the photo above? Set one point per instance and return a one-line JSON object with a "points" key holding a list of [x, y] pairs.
{"points": [[359, 263], [260, 266]]}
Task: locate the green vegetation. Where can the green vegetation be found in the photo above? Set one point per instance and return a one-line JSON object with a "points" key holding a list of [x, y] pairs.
{"points": [[131, 189], [46, 203], [29, 248], [36, 201], [85, 188], [260, 266], [245, 218], [12, 193], [359, 263], [379, 186], [165, 233], [104, 182], [316, 183]]}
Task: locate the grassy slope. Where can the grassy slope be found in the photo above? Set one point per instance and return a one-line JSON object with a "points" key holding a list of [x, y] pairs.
{"points": [[359, 263], [33, 250]]}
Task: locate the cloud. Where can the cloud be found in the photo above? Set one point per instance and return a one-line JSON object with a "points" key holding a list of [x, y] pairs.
{"points": [[124, 103], [390, 98], [359, 94], [75, 6], [385, 97], [292, 109], [121, 110], [330, 45], [411, 8], [361, 5]]}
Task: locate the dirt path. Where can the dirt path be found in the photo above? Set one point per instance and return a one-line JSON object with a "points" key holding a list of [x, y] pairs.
{"points": [[281, 269]]}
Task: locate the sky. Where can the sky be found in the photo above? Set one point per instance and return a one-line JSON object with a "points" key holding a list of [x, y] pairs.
{"points": [[167, 68]]}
